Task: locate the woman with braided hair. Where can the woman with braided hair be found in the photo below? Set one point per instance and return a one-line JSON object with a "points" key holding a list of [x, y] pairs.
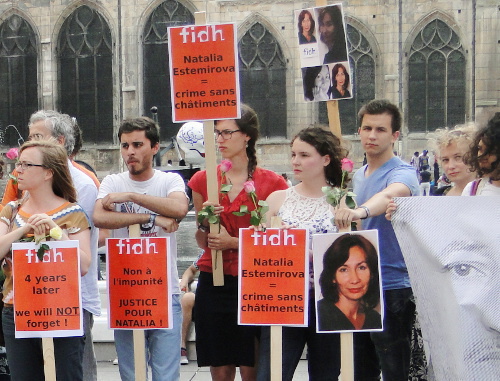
{"points": [[220, 342]]}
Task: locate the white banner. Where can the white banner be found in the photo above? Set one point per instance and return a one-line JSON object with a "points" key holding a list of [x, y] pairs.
{"points": [[451, 247]]}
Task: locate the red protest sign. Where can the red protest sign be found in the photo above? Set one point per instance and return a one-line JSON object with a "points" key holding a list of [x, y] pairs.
{"points": [[47, 292], [204, 72], [138, 283], [273, 277]]}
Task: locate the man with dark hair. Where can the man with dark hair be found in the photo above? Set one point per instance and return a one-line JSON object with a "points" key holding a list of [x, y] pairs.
{"points": [[423, 160], [384, 177], [157, 201], [425, 181]]}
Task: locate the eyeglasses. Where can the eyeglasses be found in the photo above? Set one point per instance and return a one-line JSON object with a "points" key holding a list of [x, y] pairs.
{"points": [[24, 166], [226, 134]]}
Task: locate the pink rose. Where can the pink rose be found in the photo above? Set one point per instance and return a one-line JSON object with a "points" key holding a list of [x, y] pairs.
{"points": [[12, 154], [249, 186], [226, 165], [347, 165]]}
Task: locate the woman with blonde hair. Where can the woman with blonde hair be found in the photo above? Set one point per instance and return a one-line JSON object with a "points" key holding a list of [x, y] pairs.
{"points": [[49, 201], [451, 145]]}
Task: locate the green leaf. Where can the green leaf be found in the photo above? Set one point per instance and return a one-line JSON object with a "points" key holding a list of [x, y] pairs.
{"points": [[349, 201], [213, 219], [243, 209], [41, 251], [263, 210], [13, 178], [351, 194], [225, 188], [239, 214], [255, 220]]}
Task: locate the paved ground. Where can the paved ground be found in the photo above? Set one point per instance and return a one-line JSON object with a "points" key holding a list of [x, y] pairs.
{"points": [[106, 371]]}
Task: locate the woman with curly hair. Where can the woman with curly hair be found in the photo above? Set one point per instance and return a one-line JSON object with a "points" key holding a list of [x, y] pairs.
{"points": [[484, 157], [316, 162]]}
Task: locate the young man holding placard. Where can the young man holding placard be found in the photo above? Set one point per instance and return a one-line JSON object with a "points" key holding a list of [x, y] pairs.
{"points": [[157, 201], [384, 177]]}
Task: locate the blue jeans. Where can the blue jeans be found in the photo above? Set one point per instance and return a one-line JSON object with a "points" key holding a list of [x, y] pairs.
{"points": [[89, 360], [393, 343], [25, 356], [323, 351], [163, 349]]}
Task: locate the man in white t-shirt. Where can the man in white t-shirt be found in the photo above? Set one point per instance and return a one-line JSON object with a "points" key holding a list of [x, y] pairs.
{"points": [[157, 202]]}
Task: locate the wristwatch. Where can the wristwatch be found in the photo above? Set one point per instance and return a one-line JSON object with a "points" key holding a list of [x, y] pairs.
{"points": [[150, 224], [365, 208], [203, 228]]}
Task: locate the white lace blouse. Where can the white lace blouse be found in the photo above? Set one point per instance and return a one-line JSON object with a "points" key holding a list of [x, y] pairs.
{"points": [[307, 213]]}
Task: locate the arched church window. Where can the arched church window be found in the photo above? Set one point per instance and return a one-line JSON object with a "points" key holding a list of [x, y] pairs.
{"points": [[85, 60], [436, 81], [155, 60], [18, 78], [263, 79]]}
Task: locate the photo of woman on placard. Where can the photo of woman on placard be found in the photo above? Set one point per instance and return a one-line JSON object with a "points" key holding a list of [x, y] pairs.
{"points": [[307, 27], [331, 33], [350, 286], [317, 84], [340, 82]]}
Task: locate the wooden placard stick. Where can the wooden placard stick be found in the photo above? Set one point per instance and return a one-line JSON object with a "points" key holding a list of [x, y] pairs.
{"points": [[276, 333], [332, 108], [138, 334], [49, 360], [212, 185], [346, 339]]}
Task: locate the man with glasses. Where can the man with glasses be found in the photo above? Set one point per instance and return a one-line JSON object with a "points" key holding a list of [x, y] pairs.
{"points": [[47, 124]]}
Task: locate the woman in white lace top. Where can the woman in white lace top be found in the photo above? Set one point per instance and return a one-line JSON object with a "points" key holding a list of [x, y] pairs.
{"points": [[316, 162]]}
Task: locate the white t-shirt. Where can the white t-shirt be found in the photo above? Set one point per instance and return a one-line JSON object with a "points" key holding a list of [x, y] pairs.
{"points": [[161, 184], [488, 189], [86, 195]]}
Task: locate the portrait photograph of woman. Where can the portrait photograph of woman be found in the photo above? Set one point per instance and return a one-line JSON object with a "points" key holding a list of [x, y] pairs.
{"points": [[306, 26], [348, 290], [341, 82], [317, 84]]}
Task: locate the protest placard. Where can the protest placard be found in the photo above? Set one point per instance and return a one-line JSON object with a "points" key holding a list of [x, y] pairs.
{"points": [[204, 72], [273, 277], [453, 268], [347, 282], [48, 300], [138, 283], [323, 53]]}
